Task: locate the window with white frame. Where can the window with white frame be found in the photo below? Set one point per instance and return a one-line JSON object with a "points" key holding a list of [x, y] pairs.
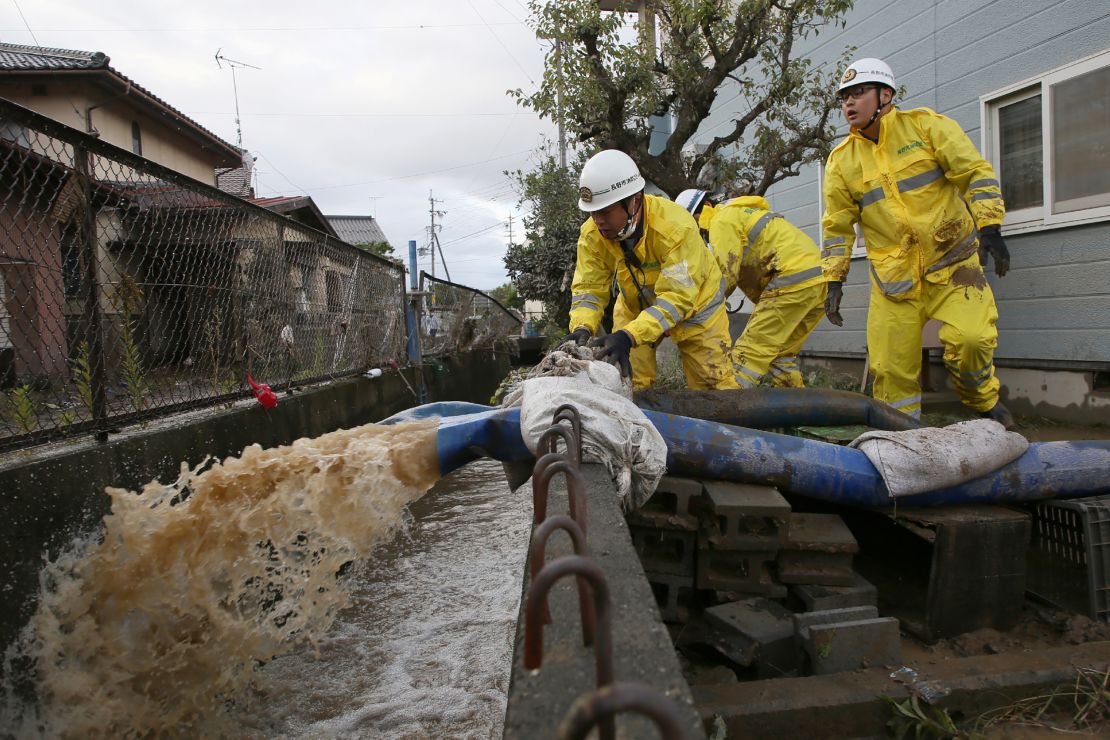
{"points": [[859, 248], [1049, 140]]}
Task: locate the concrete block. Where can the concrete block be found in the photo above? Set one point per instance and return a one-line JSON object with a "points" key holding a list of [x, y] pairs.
{"points": [[745, 517], [665, 551], [675, 595], [737, 570], [825, 533], [816, 568], [860, 592], [677, 497], [805, 620], [847, 646], [755, 632], [653, 519]]}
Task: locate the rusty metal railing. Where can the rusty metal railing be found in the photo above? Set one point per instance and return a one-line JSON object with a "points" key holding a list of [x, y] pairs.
{"points": [[597, 707]]}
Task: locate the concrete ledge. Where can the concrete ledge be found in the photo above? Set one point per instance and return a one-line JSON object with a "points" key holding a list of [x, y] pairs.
{"points": [[642, 649], [853, 704]]}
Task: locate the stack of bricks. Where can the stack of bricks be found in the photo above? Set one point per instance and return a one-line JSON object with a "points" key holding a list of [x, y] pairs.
{"points": [[664, 533], [818, 551], [743, 527]]}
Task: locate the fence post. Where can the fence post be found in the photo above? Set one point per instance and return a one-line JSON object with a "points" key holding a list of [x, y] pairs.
{"points": [[90, 262]]}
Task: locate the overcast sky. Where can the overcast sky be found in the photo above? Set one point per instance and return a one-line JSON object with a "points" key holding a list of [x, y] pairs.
{"points": [[365, 106]]}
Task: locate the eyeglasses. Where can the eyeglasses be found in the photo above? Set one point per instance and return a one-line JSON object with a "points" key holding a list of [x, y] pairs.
{"points": [[854, 93]]}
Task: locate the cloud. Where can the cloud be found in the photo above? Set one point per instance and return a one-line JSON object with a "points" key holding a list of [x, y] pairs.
{"points": [[355, 103]]}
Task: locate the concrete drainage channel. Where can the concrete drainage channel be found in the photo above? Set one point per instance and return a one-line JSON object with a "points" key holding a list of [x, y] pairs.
{"points": [[726, 581]]}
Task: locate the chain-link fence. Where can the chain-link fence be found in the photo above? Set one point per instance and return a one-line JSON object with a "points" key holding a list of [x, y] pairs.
{"points": [[128, 290], [455, 318]]}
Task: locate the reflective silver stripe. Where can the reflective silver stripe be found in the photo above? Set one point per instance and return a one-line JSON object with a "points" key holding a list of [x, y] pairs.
{"points": [[986, 182], [917, 181], [760, 224], [583, 300], [785, 280], [898, 288], [834, 252], [585, 297], [743, 382], [747, 377], [979, 377], [906, 402], [663, 319], [986, 196], [871, 196], [833, 241], [706, 313], [786, 361], [961, 251], [669, 308]]}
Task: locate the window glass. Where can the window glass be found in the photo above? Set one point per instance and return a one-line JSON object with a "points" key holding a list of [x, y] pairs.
{"points": [[136, 139], [1081, 146], [1020, 163]]}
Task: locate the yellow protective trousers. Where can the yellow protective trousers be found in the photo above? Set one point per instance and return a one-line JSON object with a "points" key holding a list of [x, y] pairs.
{"points": [[776, 331], [703, 347], [965, 306]]}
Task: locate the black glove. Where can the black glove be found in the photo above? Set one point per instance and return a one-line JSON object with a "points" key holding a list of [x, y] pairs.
{"points": [[990, 242], [581, 335], [615, 348], [832, 302]]}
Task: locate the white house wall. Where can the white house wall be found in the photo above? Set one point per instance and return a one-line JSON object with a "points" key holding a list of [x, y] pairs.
{"points": [[1054, 305]]}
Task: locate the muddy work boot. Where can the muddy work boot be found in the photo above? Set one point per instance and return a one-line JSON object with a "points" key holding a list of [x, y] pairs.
{"points": [[1001, 414]]}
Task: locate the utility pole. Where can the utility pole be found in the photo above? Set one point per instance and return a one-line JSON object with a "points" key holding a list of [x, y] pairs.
{"points": [[235, 88], [433, 235], [510, 228], [559, 105], [374, 205]]}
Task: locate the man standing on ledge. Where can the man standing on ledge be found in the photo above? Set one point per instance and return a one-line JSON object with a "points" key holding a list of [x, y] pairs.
{"points": [[669, 282], [930, 208]]}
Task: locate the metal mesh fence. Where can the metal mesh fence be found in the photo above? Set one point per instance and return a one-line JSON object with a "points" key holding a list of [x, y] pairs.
{"points": [[455, 318], [128, 290]]}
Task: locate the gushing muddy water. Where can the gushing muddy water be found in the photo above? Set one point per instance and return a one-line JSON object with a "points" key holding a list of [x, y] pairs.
{"points": [[212, 606]]}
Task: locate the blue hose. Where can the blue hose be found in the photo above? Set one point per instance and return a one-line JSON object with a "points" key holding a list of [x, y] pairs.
{"points": [[806, 467]]}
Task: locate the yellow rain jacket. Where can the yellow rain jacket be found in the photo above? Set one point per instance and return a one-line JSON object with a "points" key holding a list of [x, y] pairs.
{"points": [[680, 280], [918, 195], [760, 252]]}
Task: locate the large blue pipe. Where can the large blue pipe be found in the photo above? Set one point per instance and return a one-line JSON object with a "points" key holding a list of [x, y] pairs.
{"points": [[793, 464]]}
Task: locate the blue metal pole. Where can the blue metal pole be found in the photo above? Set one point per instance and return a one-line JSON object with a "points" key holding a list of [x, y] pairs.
{"points": [[414, 281]]}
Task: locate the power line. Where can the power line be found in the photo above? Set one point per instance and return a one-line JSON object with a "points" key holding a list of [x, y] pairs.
{"points": [[279, 29], [420, 174], [363, 115], [502, 43]]}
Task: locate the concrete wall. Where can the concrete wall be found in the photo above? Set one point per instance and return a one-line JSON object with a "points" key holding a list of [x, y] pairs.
{"points": [[1054, 305], [48, 497]]}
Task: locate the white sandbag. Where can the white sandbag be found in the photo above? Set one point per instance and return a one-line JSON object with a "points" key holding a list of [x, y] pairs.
{"points": [[615, 432], [929, 459]]}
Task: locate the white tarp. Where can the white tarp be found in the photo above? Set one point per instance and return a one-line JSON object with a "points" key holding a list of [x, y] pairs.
{"points": [[615, 432], [929, 459]]}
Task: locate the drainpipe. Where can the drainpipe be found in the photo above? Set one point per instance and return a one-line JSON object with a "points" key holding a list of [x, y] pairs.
{"points": [[88, 111]]}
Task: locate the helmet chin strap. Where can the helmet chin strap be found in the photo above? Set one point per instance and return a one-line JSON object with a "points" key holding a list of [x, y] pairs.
{"points": [[630, 224], [875, 115]]}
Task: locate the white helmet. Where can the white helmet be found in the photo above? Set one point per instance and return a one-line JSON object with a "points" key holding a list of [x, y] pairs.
{"points": [[607, 177], [867, 70], [691, 199]]}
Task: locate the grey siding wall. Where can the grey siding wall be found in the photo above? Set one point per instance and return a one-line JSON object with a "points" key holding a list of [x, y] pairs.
{"points": [[1055, 302]]}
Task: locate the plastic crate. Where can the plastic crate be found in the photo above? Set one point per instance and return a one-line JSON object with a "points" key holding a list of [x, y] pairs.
{"points": [[1069, 556]]}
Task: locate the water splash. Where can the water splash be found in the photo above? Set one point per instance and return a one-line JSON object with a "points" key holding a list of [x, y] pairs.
{"points": [[160, 622]]}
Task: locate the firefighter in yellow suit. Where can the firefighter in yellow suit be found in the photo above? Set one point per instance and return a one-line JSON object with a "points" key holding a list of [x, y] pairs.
{"points": [[930, 208], [778, 268], [668, 281]]}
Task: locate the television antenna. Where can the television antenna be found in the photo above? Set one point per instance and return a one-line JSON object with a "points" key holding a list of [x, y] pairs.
{"points": [[233, 63]]}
